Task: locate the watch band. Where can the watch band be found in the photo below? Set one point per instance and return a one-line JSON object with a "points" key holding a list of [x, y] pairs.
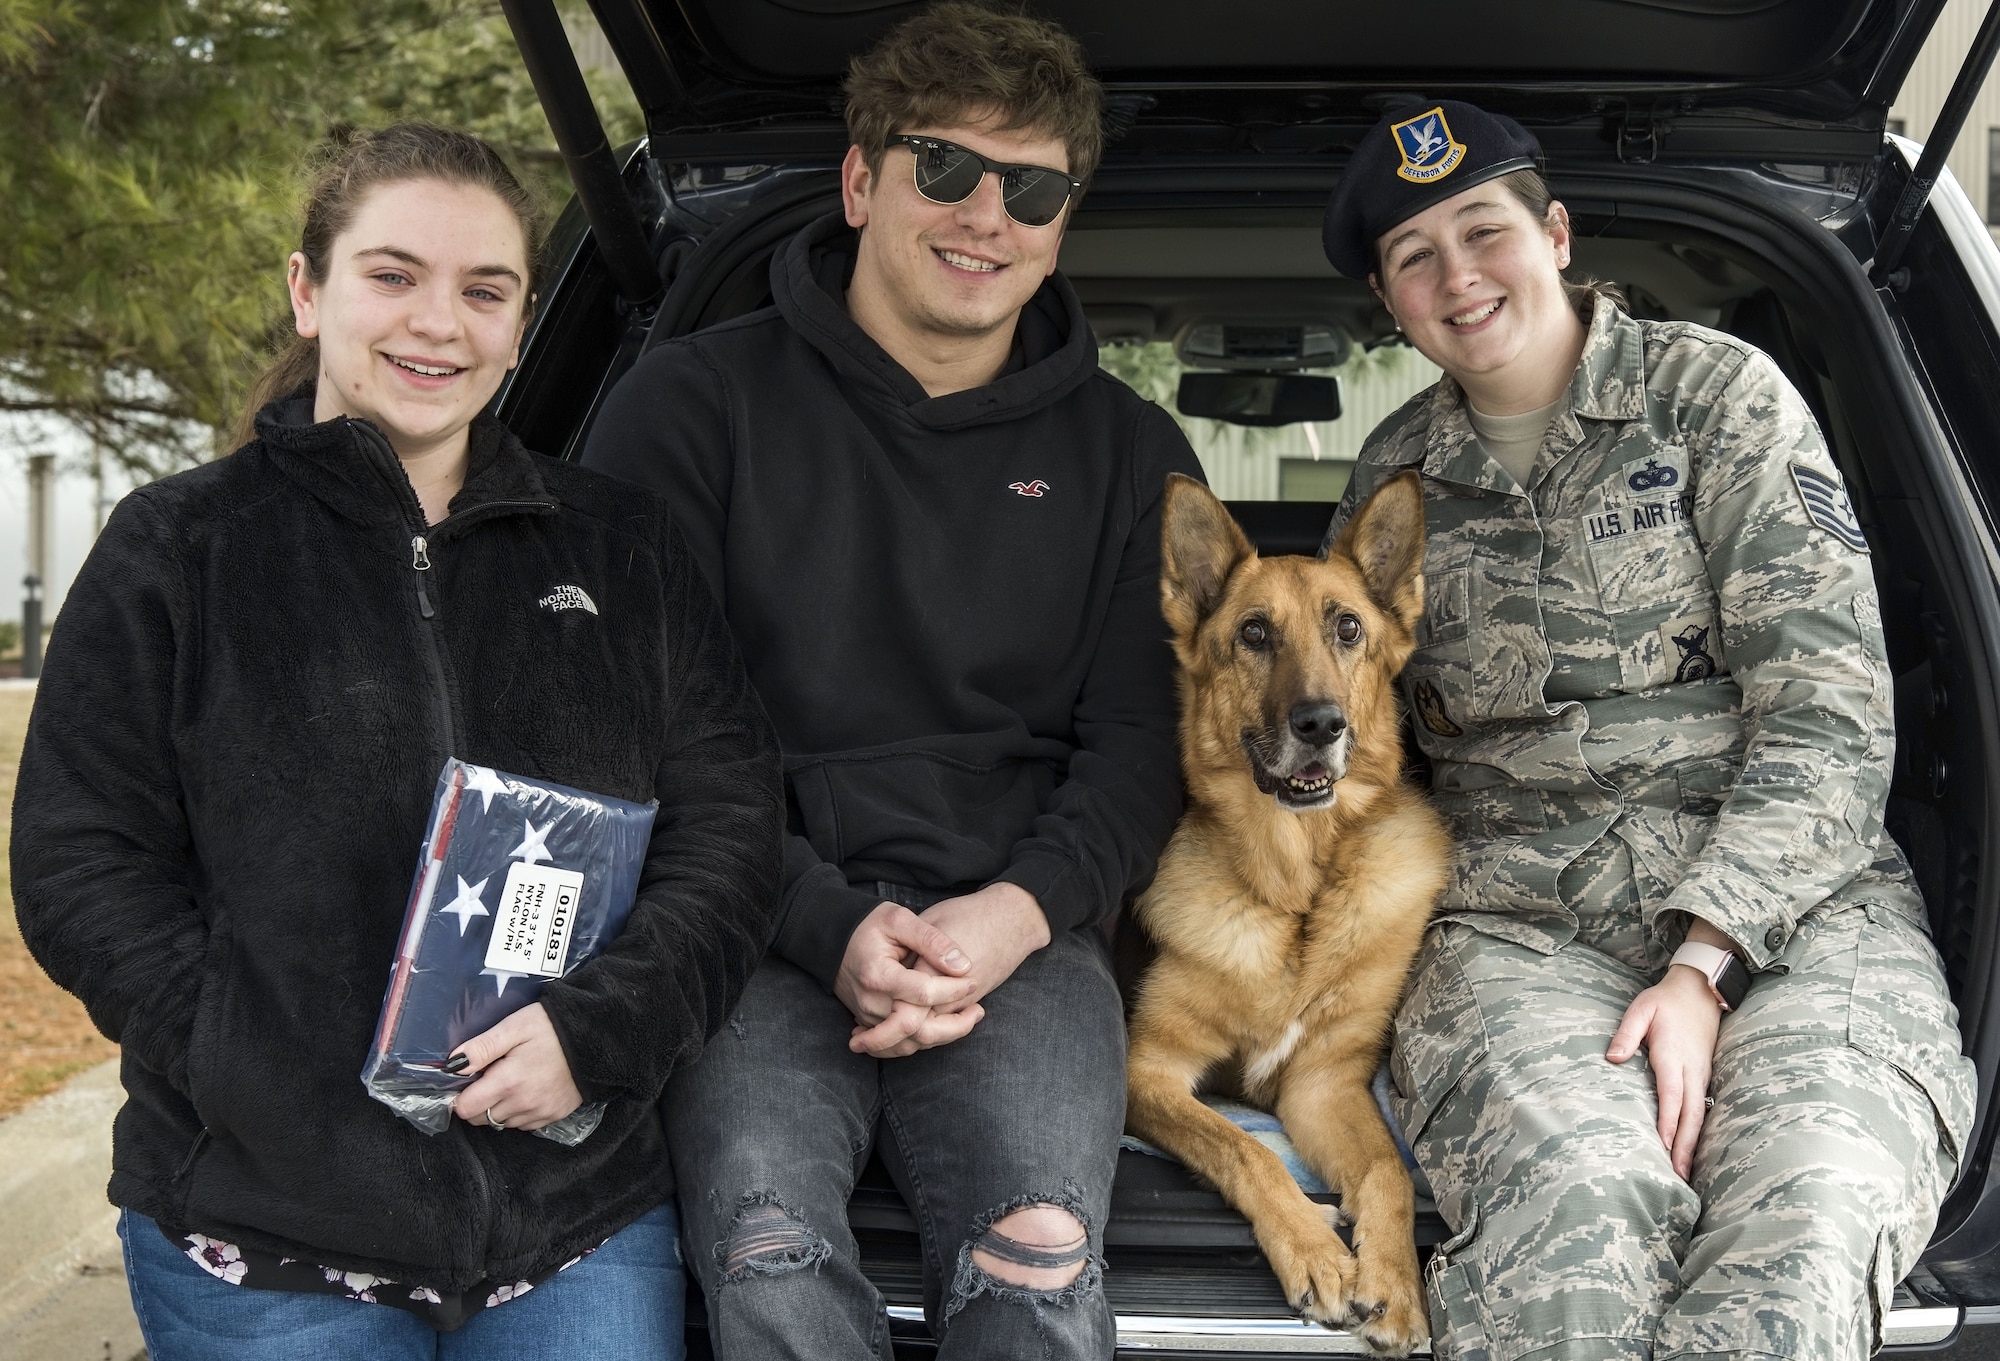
{"points": [[1727, 978]]}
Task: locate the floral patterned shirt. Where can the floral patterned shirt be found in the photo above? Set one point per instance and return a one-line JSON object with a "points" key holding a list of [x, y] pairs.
{"points": [[444, 1310]]}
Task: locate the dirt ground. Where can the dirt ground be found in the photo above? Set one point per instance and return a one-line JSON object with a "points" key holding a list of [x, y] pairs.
{"points": [[44, 1035]]}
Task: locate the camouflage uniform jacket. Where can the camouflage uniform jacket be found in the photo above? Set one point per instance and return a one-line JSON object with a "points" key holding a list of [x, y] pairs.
{"points": [[1670, 636]]}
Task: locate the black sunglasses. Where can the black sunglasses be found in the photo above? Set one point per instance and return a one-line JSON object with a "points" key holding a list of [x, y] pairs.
{"points": [[1033, 195]]}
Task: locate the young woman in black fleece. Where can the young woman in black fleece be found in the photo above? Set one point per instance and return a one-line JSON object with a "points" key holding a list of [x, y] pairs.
{"points": [[254, 682]]}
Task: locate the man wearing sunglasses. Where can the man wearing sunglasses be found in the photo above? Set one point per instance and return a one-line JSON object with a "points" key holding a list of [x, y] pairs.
{"points": [[934, 526]]}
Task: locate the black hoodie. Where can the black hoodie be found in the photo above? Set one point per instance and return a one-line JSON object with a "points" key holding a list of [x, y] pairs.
{"points": [[249, 694], [949, 605]]}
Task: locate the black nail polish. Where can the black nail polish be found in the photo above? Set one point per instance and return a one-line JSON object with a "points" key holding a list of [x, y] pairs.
{"points": [[457, 1063]]}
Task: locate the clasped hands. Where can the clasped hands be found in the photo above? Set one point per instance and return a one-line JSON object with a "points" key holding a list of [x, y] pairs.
{"points": [[914, 981], [907, 979]]}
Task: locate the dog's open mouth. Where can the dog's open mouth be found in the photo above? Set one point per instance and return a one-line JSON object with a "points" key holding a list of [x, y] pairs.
{"points": [[1308, 787], [1309, 783]]}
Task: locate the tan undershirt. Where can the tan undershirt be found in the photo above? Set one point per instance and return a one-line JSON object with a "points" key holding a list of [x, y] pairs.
{"points": [[1513, 441]]}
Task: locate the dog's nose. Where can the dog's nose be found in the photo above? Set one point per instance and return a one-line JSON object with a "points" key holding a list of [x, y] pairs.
{"points": [[1317, 724]]}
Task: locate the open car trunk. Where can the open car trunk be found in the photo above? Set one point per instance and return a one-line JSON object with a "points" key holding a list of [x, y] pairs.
{"points": [[1807, 77], [1722, 160], [1771, 257]]}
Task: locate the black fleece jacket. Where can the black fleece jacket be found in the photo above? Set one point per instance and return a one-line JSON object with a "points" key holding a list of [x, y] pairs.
{"points": [[949, 605], [249, 694]]}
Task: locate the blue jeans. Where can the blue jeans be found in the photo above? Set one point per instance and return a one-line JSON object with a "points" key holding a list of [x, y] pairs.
{"points": [[624, 1300]]}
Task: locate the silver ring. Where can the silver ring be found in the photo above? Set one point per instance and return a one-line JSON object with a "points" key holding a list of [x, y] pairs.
{"points": [[1707, 1104], [497, 1125]]}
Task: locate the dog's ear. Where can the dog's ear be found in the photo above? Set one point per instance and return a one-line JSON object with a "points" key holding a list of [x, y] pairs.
{"points": [[1385, 539], [1200, 546]]}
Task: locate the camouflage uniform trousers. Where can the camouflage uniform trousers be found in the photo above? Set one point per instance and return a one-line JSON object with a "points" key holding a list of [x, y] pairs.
{"points": [[1816, 1180]]}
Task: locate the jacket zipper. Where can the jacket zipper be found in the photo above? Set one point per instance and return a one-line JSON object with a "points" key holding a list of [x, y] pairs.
{"points": [[423, 532], [420, 563], [427, 608], [420, 559], [427, 613]]}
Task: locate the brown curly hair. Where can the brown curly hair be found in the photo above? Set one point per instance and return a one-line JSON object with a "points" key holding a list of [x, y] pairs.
{"points": [[959, 63]]}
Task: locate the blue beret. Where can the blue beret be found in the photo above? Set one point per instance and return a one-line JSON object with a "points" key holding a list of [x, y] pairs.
{"points": [[1413, 160]]}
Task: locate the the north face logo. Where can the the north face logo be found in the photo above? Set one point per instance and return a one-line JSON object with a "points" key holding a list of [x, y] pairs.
{"points": [[568, 598]]}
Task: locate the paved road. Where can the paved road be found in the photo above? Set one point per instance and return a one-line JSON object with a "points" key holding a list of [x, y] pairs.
{"points": [[62, 1283]]}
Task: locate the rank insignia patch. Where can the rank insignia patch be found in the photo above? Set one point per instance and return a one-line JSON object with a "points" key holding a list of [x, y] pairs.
{"points": [[1428, 151], [1690, 648], [1827, 506], [1431, 711]]}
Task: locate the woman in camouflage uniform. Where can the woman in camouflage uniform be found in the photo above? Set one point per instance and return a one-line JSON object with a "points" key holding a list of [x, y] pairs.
{"points": [[1652, 687]]}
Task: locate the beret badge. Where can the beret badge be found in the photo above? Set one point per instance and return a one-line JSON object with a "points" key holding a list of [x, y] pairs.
{"points": [[1428, 149]]}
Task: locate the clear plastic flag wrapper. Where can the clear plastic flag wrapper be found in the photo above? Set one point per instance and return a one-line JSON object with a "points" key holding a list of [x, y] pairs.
{"points": [[519, 882]]}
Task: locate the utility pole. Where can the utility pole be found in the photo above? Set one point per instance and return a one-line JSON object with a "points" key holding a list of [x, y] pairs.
{"points": [[41, 468]]}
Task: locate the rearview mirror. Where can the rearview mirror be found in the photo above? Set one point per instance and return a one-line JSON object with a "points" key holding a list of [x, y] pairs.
{"points": [[1259, 398]]}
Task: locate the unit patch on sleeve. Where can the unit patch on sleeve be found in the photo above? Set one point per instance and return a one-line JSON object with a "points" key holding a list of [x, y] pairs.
{"points": [[1827, 506]]}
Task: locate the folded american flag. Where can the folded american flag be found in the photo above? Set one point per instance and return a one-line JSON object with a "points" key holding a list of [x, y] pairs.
{"points": [[519, 882]]}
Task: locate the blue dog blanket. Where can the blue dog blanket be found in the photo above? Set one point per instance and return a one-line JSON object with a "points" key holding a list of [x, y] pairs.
{"points": [[1265, 1128]]}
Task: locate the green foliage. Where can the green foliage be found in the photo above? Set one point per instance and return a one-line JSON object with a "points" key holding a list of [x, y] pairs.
{"points": [[151, 175], [26, 23], [1149, 370]]}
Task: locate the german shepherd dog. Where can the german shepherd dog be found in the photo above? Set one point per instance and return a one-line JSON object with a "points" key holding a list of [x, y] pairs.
{"points": [[1291, 900]]}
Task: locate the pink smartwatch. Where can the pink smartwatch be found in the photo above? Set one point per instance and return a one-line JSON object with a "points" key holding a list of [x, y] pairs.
{"points": [[1727, 978]]}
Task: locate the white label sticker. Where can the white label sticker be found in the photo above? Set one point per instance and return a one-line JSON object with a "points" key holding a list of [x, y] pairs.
{"points": [[531, 928]]}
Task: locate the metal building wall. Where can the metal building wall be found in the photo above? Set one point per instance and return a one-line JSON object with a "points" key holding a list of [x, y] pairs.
{"points": [[1248, 464], [1923, 94]]}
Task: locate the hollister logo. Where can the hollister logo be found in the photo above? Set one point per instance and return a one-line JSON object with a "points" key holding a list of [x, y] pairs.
{"points": [[1035, 488], [567, 598], [1429, 153]]}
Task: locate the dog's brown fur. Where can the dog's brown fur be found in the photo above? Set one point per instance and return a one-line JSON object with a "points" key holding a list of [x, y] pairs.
{"points": [[1285, 937]]}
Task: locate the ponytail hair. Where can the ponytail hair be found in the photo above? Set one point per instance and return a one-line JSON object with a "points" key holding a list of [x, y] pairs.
{"points": [[1533, 193], [357, 164]]}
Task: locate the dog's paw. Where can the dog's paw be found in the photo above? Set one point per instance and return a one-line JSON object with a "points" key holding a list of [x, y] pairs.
{"points": [[1386, 1308], [1318, 1277]]}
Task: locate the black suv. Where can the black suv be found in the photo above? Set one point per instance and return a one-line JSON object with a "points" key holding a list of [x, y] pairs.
{"points": [[1724, 161]]}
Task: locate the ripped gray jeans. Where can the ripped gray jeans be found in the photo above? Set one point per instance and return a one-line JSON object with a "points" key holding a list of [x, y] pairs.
{"points": [[770, 1128]]}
